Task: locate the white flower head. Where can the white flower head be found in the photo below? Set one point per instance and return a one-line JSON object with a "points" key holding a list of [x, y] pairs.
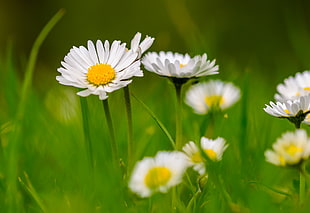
{"points": [[295, 111], [194, 157], [214, 94], [294, 87], [101, 68], [136, 46], [290, 149], [158, 174], [214, 149], [178, 65]]}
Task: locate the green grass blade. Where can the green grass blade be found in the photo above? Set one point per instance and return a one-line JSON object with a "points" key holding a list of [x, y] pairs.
{"points": [[160, 124]]}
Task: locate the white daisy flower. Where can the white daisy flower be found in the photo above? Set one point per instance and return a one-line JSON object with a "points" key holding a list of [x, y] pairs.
{"points": [[214, 149], [290, 149], [158, 174], [194, 157], [178, 65], [294, 110], [101, 68], [294, 87], [136, 46], [214, 94]]}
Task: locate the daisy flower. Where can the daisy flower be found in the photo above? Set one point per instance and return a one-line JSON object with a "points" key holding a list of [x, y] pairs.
{"points": [[291, 149], [102, 68], [294, 110], [194, 157], [136, 46], [294, 87], [214, 94], [158, 174], [214, 150], [178, 65]]}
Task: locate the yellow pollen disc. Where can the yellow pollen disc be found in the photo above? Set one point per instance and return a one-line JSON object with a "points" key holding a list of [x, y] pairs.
{"points": [[286, 111], [214, 100], [293, 149], [100, 74], [196, 157], [307, 88], [183, 65], [157, 176], [211, 154], [282, 160]]}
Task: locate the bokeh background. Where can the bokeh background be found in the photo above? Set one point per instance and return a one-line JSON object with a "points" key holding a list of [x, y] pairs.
{"points": [[272, 36]]}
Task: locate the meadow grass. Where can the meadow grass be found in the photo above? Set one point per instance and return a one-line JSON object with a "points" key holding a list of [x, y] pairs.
{"points": [[55, 153]]}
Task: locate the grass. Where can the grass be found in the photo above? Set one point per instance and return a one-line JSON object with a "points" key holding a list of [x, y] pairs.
{"points": [[44, 160]]}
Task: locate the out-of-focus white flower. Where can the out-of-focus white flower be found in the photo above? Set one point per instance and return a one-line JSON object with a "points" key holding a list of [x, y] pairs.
{"points": [[214, 150], [290, 149], [294, 87], [214, 94], [158, 174]]}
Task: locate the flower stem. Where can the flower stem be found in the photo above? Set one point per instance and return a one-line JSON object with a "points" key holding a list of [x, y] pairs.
{"points": [[111, 131], [129, 124], [178, 125], [302, 184], [87, 139]]}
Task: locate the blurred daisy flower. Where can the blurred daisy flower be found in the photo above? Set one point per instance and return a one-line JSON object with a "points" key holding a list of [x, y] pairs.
{"points": [[194, 157], [101, 68], [158, 174], [291, 149], [177, 65], [214, 94], [295, 111], [294, 87], [213, 149]]}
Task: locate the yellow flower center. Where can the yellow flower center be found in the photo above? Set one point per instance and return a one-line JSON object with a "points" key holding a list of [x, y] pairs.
{"points": [[157, 176], [197, 158], [282, 160], [211, 154], [292, 149], [100, 74], [214, 100], [183, 65], [287, 111], [307, 88]]}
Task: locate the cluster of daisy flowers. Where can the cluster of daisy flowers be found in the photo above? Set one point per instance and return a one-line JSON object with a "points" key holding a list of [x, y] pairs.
{"points": [[101, 68], [166, 169], [293, 103]]}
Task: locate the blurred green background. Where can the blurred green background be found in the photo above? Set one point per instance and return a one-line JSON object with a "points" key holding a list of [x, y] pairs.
{"points": [[272, 33]]}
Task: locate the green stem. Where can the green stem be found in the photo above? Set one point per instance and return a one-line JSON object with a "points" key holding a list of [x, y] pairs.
{"points": [[16, 136], [87, 139], [209, 132], [174, 200], [111, 131], [130, 146], [178, 125], [302, 184]]}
